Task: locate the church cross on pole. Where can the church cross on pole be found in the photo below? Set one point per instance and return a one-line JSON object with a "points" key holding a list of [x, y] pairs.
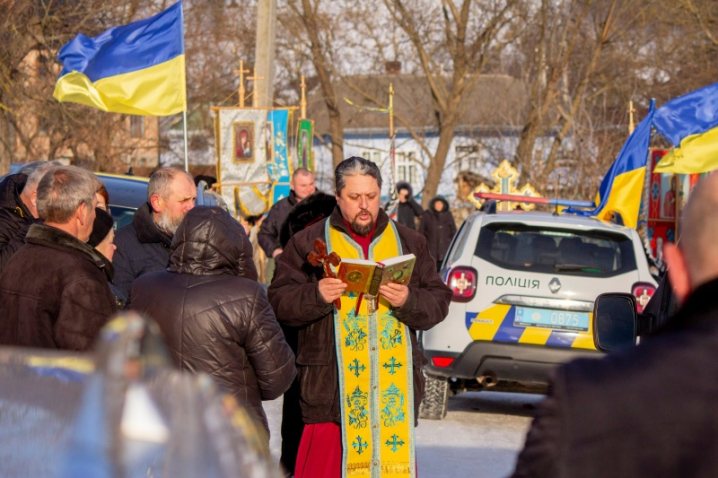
{"points": [[255, 88], [241, 72]]}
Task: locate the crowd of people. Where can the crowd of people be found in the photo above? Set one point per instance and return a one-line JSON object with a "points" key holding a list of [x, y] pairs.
{"points": [[350, 366], [64, 271]]}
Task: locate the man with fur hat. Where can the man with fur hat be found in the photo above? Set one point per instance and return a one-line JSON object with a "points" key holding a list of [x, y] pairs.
{"points": [[408, 209]]}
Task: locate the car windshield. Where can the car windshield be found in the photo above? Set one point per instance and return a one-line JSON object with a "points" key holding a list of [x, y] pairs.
{"points": [[554, 250]]}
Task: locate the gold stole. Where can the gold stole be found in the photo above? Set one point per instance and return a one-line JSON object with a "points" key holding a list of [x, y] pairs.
{"points": [[376, 382]]}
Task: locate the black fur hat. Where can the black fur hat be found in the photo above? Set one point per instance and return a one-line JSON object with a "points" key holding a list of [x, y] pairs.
{"points": [[308, 211]]}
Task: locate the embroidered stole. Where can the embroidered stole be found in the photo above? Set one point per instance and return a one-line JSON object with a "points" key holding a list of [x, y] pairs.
{"points": [[375, 373]]}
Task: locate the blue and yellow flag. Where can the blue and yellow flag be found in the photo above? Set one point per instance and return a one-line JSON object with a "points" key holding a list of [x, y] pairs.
{"points": [[690, 123], [622, 188], [136, 69]]}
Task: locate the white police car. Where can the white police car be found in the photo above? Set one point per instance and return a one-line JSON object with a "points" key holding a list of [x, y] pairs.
{"points": [[524, 286]]}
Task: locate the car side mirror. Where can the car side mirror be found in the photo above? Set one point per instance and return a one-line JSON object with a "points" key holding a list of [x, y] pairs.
{"points": [[614, 321]]}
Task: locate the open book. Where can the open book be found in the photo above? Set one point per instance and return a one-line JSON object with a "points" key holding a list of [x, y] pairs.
{"points": [[367, 276]]}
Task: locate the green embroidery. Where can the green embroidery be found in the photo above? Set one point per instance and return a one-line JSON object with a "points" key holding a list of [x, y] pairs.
{"points": [[360, 445], [394, 443], [357, 367], [355, 325], [357, 403], [391, 333], [391, 365], [392, 400]]}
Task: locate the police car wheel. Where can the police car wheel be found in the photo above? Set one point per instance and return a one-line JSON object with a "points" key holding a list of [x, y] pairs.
{"points": [[436, 398]]}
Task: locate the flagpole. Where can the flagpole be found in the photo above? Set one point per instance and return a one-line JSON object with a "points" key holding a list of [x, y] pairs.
{"points": [[184, 127]]}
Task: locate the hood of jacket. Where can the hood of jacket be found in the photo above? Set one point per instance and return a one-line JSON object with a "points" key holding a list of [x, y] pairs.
{"points": [[208, 242], [10, 189], [439, 199], [405, 185], [308, 211]]}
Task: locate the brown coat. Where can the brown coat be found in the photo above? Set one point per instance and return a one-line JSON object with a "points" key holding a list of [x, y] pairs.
{"points": [[216, 321], [54, 293], [295, 297]]}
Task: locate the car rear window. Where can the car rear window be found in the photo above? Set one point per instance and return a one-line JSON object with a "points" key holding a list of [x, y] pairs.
{"points": [[556, 251]]}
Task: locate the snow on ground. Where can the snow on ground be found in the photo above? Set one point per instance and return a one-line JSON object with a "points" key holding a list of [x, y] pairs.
{"points": [[480, 436]]}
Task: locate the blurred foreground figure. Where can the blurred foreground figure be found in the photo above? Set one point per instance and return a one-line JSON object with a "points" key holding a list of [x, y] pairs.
{"points": [[53, 291], [123, 411], [648, 411], [215, 319]]}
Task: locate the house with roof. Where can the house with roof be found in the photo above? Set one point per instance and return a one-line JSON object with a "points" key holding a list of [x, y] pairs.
{"points": [[489, 131]]}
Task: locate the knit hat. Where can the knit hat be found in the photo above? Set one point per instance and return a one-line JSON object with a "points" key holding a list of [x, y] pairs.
{"points": [[101, 227]]}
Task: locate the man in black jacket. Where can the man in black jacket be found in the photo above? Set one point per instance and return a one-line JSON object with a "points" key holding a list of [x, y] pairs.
{"points": [[53, 292], [302, 186], [408, 209], [143, 245], [18, 207], [648, 411]]}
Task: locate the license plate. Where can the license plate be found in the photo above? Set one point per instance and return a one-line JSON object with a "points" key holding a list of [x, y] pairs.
{"points": [[552, 319]]}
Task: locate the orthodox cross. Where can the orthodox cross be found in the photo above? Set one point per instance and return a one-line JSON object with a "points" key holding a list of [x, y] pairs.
{"points": [[319, 257], [631, 123], [394, 443], [357, 367], [360, 445], [391, 365], [255, 88], [241, 72]]}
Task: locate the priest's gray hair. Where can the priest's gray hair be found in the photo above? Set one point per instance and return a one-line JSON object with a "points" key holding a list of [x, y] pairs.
{"points": [[353, 166], [161, 182]]}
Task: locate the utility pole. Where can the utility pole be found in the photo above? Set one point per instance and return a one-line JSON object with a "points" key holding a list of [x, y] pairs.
{"points": [[264, 53]]}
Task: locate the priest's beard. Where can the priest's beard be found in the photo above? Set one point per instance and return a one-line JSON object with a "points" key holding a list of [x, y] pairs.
{"points": [[360, 229], [168, 223]]}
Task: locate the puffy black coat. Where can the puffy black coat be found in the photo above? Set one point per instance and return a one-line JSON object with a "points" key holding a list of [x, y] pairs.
{"points": [[438, 228], [142, 247], [15, 218], [216, 321], [54, 292]]}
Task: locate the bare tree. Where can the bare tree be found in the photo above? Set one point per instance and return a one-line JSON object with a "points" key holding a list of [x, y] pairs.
{"points": [[313, 29], [452, 53]]}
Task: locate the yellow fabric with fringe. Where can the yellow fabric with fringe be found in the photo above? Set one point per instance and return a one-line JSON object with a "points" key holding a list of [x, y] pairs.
{"points": [[375, 373]]}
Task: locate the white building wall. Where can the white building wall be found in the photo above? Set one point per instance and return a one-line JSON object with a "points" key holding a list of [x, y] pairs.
{"points": [[489, 151]]}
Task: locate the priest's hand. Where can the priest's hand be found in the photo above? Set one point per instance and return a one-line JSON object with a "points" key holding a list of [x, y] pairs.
{"points": [[331, 289], [395, 294]]}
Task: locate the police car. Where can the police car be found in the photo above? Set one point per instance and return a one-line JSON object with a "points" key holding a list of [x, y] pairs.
{"points": [[524, 286]]}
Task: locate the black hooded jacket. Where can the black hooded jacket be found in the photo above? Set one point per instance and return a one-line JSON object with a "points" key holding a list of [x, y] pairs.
{"points": [[407, 211], [215, 320], [438, 228], [15, 217]]}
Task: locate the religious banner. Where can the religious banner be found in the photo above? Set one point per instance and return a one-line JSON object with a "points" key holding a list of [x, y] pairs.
{"points": [[304, 144], [242, 155], [275, 139]]}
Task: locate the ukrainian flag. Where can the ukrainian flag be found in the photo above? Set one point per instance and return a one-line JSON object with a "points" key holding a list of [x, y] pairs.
{"points": [[136, 69], [622, 188], [690, 123]]}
